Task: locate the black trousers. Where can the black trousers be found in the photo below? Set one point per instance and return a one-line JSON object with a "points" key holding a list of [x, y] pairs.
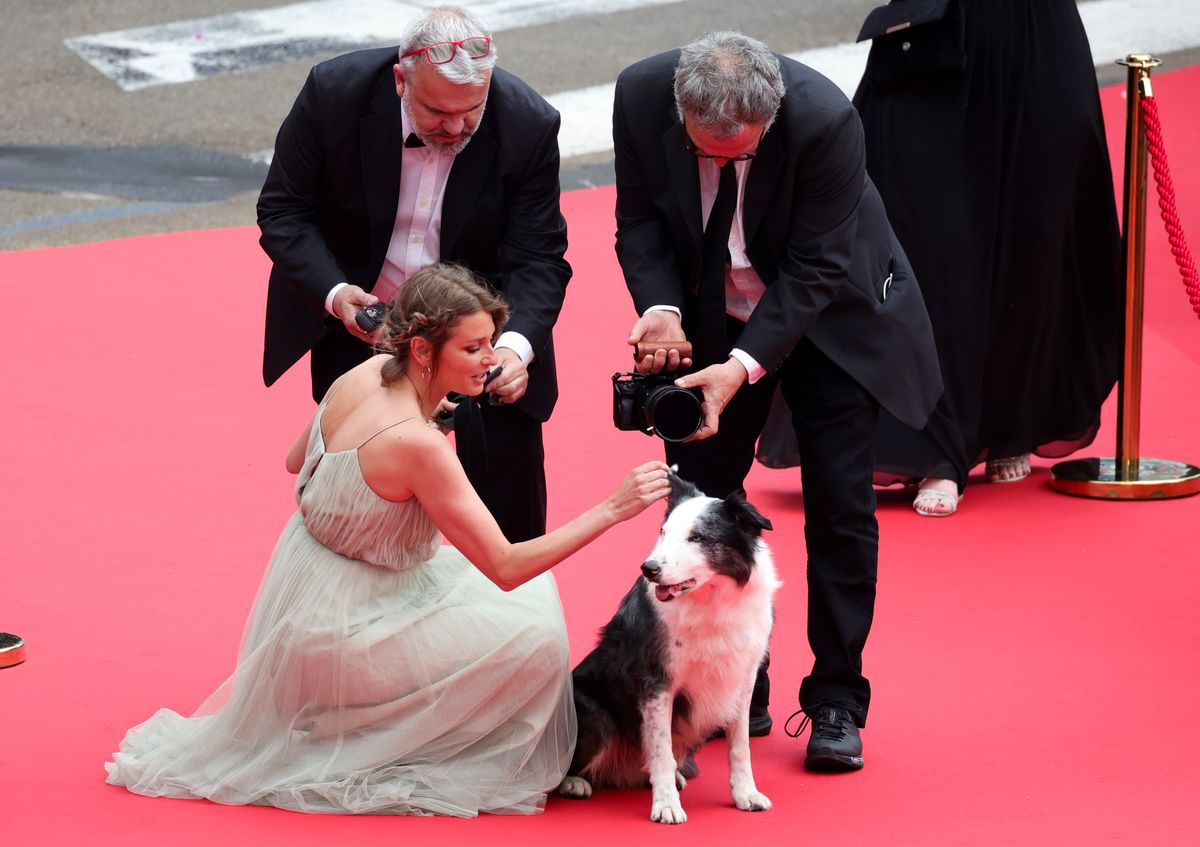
{"points": [[513, 483], [835, 419]]}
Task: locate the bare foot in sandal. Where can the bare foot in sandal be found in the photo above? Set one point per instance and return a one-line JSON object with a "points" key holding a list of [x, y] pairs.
{"points": [[1012, 469], [937, 498]]}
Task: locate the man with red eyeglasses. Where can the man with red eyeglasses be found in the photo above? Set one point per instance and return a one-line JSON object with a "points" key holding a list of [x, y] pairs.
{"points": [[747, 225], [397, 158]]}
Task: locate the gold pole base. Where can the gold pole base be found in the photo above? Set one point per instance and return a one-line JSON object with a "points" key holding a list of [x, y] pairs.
{"points": [[1158, 479], [12, 650]]}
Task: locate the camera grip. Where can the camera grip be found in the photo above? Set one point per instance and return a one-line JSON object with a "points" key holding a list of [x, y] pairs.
{"points": [[649, 348]]}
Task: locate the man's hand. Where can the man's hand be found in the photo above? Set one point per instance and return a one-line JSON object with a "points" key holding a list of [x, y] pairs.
{"points": [[659, 325], [510, 384], [346, 304], [719, 383]]}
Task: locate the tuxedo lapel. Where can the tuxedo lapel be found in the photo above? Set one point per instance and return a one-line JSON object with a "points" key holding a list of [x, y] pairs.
{"points": [[382, 145], [468, 178]]}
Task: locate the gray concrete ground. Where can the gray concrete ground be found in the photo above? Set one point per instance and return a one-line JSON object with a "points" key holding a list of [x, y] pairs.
{"points": [[82, 160]]}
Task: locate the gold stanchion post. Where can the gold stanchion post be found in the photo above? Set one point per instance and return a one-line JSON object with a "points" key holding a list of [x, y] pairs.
{"points": [[1129, 475]]}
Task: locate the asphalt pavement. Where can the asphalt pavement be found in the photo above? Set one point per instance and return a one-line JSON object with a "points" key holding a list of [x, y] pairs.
{"points": [[83, 159]]}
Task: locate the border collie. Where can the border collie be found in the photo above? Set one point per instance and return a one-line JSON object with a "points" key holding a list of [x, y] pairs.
{"points": [[678, 660]]}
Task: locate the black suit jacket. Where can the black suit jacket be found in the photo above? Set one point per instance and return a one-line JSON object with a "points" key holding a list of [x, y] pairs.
{"points": [[815, 227], [328, 207]]}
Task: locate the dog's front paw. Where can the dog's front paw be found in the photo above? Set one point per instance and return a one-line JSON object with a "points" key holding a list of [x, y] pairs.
{"points": [[751, 801], [575, 786], [667, 811]]}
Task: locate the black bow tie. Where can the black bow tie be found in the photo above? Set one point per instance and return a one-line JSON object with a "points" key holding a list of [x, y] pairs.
{"points": [[413, 141]]}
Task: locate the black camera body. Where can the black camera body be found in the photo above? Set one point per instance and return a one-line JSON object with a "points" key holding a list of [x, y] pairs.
{"points": [[655, 405]]}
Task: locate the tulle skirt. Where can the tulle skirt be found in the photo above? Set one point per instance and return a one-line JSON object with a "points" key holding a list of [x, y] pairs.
{"points": [[369, 690]]}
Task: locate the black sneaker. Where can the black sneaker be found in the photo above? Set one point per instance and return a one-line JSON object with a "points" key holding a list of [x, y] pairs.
{"points": [[835, 744], [12, 650]]}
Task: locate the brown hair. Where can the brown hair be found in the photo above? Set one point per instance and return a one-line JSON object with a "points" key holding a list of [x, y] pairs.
{"points": [[430, 304]]}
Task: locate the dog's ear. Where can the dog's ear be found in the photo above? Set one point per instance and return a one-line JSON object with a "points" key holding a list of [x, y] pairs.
{"points": [[744, 513], [681, 489]]}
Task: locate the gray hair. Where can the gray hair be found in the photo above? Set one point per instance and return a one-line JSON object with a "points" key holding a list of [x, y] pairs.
{"points": [[726, 80], [447, 23]]}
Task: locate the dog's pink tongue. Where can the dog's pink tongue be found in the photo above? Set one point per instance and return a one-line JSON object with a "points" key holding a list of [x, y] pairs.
{"points": [[664, 592]]}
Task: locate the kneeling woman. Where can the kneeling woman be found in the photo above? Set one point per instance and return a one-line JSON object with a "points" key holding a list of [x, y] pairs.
{"points": [[380, 672]]}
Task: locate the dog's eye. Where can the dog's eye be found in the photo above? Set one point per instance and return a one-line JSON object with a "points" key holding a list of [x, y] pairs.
{"points": [[695, 538]]}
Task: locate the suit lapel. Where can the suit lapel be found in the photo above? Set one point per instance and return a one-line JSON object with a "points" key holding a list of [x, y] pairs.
{"points": [[381, 147], [468, 179], [684, 180], [763, 180]]}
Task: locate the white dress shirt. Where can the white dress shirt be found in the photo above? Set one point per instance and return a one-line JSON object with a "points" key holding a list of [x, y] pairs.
{"points": [[416, 234], [743, 286]]}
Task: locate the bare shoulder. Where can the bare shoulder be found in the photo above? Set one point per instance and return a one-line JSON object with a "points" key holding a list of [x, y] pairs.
{"points": [[394, 463]]}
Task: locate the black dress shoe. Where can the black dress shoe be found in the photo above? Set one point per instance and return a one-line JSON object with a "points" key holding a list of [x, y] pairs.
{"points": [[760, 721], [760, 725], [835, 744]]}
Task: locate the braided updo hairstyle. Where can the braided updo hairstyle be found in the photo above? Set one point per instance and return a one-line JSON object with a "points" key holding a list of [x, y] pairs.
{"points": [[429, 305]]}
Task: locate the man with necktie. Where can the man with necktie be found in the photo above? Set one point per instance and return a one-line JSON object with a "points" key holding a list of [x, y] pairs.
{"points": [[746, 224]]}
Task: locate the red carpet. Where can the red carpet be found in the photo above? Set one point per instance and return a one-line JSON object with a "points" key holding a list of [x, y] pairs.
{"points": [[1032, 658]]}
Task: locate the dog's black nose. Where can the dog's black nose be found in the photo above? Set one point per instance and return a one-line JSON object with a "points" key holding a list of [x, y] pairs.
{"points": [[651, 570]]}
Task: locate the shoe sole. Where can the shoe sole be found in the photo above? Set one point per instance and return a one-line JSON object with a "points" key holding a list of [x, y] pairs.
{"points": [[12, 655], [829, 763]]}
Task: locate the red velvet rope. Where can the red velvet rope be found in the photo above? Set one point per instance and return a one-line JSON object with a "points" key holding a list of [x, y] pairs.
{"points": [[1166, 203]]}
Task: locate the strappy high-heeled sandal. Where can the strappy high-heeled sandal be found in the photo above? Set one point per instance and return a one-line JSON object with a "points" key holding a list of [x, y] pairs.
{"points": [[937, 498], [1012, 469]]}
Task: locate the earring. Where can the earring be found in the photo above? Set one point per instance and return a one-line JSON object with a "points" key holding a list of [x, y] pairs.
{"points": [[425, 374]]}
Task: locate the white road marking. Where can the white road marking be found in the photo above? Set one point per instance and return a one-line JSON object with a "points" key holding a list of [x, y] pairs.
{"points": [[1115, 29], [190, 50]]}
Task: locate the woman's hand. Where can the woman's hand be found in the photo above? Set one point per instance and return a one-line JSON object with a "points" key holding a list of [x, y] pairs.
{"points": [[644, 485]]}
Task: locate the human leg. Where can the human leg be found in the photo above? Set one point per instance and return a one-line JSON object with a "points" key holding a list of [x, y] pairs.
{"points": [[835, 421], [718, 467], [512, 480]]}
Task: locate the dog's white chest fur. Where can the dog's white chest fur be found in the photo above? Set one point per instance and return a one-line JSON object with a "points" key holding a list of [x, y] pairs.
{"points": [[718, 630], [679, 659]]}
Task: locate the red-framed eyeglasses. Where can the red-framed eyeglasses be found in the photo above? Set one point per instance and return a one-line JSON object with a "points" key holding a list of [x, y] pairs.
{"points": [[440, 52]]}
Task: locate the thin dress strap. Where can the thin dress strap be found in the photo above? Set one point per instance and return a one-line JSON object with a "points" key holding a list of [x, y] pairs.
{"points": [[386, 428]]}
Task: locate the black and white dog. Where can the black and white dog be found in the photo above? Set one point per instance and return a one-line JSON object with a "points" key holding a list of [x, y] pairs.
{"points": [[678, 660]]}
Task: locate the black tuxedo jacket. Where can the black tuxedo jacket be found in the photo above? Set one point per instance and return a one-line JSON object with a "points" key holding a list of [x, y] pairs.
{"points": [[328, 207], [815, 227]]}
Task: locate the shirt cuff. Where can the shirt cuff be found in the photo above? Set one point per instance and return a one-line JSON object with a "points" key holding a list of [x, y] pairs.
{"points": [[662, 308], [518, 343], [333, 293], [754, 370]]}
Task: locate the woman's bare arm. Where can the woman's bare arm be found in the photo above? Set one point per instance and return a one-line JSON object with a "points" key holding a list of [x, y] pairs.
{"points": [[436, 478]]}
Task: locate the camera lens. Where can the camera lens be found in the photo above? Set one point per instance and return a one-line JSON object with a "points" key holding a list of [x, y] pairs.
{"points": [[673, 412]]}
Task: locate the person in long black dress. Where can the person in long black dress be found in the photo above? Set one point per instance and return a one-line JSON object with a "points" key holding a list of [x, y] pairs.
{"points": [[985, 137]]}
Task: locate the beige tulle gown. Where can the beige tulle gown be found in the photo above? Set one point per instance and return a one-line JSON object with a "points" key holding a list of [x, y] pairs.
{"points": [[379, 673]]}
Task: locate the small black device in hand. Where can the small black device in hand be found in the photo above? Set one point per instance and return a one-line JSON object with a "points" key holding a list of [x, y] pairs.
{"points": [[655, 405], [370, 317], [445, 417]]}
